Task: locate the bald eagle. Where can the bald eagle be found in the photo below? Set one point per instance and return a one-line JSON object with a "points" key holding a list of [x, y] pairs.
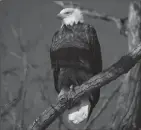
{"points": [[75, 55]]}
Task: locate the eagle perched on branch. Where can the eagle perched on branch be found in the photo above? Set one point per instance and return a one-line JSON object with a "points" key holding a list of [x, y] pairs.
{"points": [[75, 55]]}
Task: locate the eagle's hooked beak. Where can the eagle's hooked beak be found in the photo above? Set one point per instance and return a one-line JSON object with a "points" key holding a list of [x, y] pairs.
{"points": [[59, 16]]}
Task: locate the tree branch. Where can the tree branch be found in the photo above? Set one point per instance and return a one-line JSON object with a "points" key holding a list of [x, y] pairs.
{"points": [[7, 107], [103, 78]]}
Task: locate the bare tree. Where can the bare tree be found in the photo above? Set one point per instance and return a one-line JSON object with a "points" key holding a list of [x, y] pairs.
{"points": [[25, 47], [128, 111]]}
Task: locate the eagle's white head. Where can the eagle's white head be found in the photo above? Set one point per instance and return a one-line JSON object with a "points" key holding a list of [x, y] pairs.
{"points": [[69, 16]]}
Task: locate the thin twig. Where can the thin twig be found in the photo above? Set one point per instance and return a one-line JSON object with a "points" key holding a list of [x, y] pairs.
{"points": [[24, 83]]}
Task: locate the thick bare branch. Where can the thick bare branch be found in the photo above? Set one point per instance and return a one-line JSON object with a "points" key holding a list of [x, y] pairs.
{"points": [[105, 77], [121, 67]]}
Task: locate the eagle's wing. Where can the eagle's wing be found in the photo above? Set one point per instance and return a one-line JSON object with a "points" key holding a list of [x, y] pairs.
{"points": [[55, 75], [96, 63], [95, 50], [55, 67]]}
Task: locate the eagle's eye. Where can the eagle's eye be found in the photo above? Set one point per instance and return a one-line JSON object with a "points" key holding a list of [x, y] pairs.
{"points": [[68, 12]]}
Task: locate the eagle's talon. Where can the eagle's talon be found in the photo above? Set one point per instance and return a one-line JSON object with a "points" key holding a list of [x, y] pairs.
{"points": [[67, 95], [62, 96]]}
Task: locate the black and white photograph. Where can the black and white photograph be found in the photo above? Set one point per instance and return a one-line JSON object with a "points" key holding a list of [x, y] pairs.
{"points": [[70, 65]]}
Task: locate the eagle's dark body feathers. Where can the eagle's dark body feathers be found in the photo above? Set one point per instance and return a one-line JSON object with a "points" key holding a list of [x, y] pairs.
{"points": [[75, 57]]}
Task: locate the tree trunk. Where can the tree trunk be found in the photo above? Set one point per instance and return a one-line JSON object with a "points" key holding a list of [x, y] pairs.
{"points": [[128, 111]]}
